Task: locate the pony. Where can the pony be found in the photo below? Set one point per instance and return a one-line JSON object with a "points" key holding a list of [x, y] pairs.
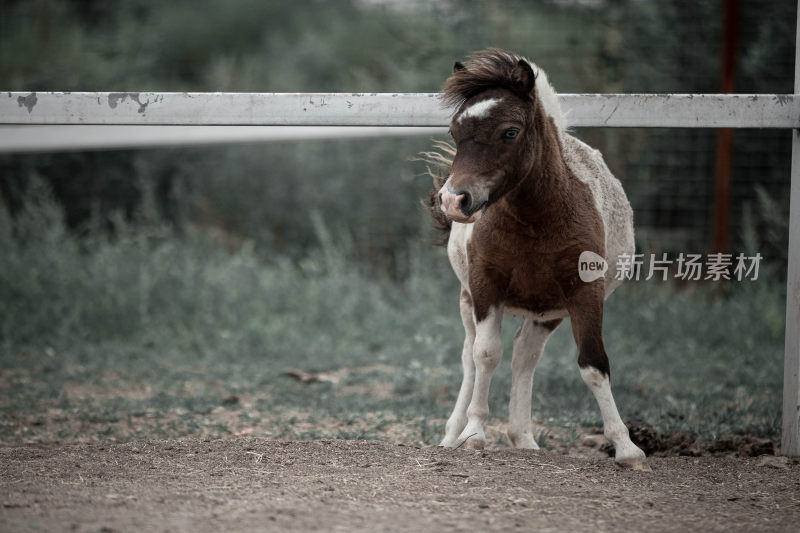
{"points": [[518, 199]]}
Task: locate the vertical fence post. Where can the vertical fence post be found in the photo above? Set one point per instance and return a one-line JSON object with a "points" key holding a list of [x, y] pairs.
{"points": [[790, 441], [724, 158]]}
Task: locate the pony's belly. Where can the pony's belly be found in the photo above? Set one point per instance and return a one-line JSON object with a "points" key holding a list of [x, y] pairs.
{"points": [[536, 316]]}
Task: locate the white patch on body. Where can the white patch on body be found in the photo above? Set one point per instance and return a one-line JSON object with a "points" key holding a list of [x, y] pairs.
{"points": [[460, 235], [549, 99], [479, 110], [588, 166]]}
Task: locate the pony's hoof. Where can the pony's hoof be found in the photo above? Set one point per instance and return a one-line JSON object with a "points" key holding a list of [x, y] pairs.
{"points": [[474, 444], [523, 443], [634, 463]]}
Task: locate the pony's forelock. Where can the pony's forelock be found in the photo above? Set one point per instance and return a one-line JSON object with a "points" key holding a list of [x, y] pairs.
{"points": [[493, 68]]}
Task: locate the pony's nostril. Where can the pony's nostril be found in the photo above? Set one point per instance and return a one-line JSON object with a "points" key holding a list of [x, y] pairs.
{"points": [[466, 202], [440, 198]]}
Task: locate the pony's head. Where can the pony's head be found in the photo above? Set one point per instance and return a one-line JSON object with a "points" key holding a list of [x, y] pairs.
{"points": [[494, 129]]}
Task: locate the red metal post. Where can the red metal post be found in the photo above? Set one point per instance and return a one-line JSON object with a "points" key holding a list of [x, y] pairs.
{"points": [[722, 181]]}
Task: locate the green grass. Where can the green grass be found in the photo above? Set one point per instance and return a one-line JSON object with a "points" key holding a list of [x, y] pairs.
{"points": [[151, 335]]}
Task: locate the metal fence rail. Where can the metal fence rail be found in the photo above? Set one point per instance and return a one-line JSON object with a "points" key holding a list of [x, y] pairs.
{"points": [[583, 110], [58, 138], [385, 109]]}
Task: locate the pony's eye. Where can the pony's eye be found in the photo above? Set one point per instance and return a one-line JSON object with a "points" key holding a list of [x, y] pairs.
{"points": [[510, 133]]}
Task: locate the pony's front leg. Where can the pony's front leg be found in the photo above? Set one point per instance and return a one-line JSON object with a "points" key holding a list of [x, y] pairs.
{"points": [[587, 325], [627, 453], [486, 354], [458, 419]]}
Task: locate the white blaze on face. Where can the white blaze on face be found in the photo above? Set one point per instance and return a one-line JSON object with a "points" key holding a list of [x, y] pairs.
{"points": [[479, 110]]}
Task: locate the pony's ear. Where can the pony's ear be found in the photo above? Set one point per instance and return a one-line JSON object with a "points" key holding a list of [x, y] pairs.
{"points": [[458, 66], [523, 77]]}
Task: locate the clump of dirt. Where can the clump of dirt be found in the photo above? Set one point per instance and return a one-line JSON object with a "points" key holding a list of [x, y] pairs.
{"points": [[679, 443]]}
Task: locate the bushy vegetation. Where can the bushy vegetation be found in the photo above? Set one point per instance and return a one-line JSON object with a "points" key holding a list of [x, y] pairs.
{"points": [[151, 334]]}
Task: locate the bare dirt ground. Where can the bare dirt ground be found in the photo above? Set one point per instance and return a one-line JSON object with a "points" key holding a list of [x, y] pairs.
{"points": [[243, 484]]}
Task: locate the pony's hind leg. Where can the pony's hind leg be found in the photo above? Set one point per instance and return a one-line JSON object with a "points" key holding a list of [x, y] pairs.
{"points": [[529, 343], [458, 419]]}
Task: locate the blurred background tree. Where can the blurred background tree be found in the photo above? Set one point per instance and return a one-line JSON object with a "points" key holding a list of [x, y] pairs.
{"points": [[367, 189]]}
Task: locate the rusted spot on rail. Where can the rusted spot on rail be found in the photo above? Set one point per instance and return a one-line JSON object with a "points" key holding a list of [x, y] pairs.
{"points": [[27, 101], [114, 99]]}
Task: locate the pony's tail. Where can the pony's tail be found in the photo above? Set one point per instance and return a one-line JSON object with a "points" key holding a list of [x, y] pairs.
{"points": [[437, 166]]}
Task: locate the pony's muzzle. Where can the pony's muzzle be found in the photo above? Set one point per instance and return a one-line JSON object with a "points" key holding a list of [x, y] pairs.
{"points": [[458, 205]]}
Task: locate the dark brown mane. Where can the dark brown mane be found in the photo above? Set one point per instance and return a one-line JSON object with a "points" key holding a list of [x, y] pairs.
{"points": [[488, 69]]}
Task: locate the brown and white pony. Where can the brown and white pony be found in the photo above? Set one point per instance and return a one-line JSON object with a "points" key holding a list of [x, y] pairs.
{"points": [[519, 200]]}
